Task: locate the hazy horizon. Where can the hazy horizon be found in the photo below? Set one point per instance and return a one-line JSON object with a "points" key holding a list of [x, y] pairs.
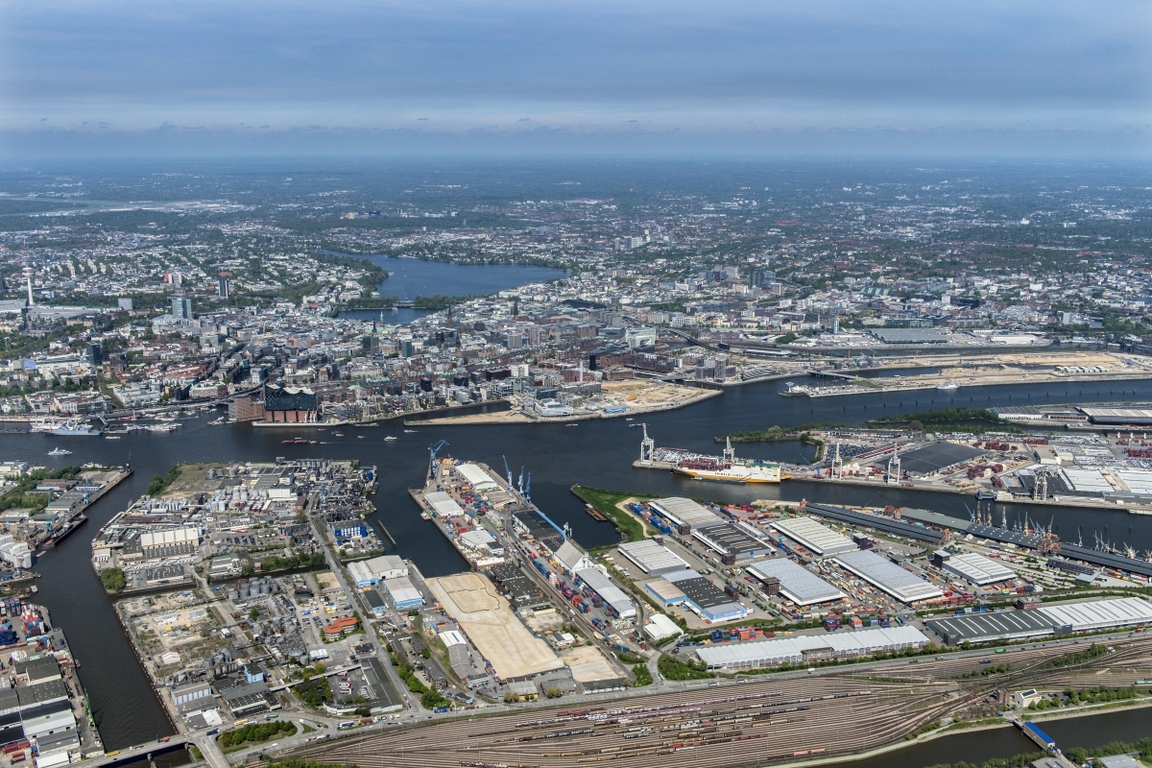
{"points": [[643, 79]]}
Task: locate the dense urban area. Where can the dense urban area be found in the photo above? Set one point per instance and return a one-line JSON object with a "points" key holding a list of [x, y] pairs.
{"points": [[265, 601]]}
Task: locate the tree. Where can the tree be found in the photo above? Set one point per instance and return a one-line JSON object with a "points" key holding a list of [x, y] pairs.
{"points": [[113, 579]]}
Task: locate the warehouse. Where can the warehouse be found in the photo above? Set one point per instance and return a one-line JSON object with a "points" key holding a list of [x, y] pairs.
{"points": [[903, 585], [444, 504], [735, 541], [404, 595], [476, 477], [703, 597], [935, 457], [1100, 614], [1042, 622], [1137, 417], [986, 627], [652, 558], [972, 567], [797, 583], [367, 573], [801, 648], [685, 513], [815, 537], [612, 595]]}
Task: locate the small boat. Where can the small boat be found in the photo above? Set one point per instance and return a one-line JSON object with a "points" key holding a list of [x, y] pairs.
{"points": [[298, 441], [409, 431], [390, 438], [948, 386], [628, 419], [111, 437], [359, 437], [338, 434], [217, 422], [573, 424], [59, 452]]}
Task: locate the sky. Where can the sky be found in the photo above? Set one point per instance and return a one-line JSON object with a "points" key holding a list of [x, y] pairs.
{"points": [[538, 77]]}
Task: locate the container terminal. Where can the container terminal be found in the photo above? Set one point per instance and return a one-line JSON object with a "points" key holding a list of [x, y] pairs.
{"points": [[726, 468]]}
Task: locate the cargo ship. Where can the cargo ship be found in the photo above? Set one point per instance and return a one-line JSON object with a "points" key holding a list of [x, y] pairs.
{"points": [[70, 427], [728, 469]]}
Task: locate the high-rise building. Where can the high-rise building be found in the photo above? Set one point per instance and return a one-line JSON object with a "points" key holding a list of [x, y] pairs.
{"points": [[181, 307], [225, 285], [94, 353]]}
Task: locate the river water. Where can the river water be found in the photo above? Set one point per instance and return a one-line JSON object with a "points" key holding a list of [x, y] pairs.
{"points": [[597, 453]]}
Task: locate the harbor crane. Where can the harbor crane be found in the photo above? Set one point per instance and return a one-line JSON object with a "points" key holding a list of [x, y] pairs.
{"points": [[432, 451], [507, 471]]}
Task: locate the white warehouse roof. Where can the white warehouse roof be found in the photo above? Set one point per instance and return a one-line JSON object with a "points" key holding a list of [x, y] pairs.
{"points": [[444, 504], [889, 577], [651, 557], [1101, 614], [814, 536], [479, 479], [978, 569], [684, 511], [797, 583], [791, 649]]}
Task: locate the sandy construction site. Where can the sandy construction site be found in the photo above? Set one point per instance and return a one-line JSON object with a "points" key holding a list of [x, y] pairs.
{"points": [[492, 627]]}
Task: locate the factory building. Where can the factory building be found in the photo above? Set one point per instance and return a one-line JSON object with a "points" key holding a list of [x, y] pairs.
{"points": [[800, 649], [476, 477], [796, 583], [1062, 619], [170, 543], [444, 505], [972, 567], [888, 577], [696, 593], [367, 573], [817, 538]]}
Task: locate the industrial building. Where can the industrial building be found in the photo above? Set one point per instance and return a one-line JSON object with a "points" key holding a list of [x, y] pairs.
{"points": [[733, 541], [800, 649], [685, 513], [367, 573], [444, 504], [403, 594], [477, 477], [817, 538], [972, 567], [797, 583], [613, 597], [652, 558], [699, 595], [985, 627], [1135, 417], [888, 577]]}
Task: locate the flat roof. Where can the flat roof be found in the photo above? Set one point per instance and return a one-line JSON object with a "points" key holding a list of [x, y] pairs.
{"points": [[728, 538], [889, 577], [935, 456], [1100, 614], [797, 583], [812, 535], [791, 649], [444, 504], [684, 511], [651, 557], [978, 569], [986, 627]]}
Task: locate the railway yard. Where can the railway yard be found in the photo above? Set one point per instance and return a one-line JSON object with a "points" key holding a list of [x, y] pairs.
{"points": [[788, 718]]}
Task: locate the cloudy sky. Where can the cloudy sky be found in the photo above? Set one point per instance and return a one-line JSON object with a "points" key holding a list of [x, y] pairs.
{"points": [[234, 77]]}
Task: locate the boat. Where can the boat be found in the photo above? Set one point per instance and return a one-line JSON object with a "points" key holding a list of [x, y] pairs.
{"points": [[628, 419], [595, 513], [338, 434], [298, 441], [59, 452], [572, 424], [948, 386], [169, 426], [72, 427], [409, 431], [728, 468], [217, 422], [111, 437], [390, 438]]}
